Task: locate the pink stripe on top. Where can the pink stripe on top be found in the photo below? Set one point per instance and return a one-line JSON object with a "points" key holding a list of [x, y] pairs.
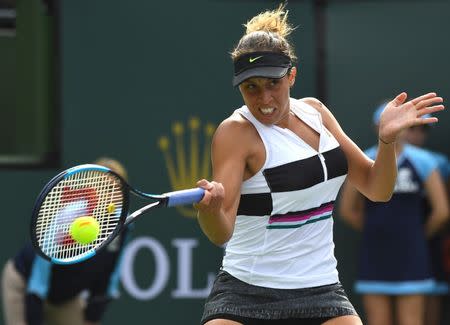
{"points": [[301, 216]]}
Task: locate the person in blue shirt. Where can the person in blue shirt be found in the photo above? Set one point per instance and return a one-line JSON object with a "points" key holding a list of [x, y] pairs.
{"points": [[394, 272], [417, 135], [36, 292]]}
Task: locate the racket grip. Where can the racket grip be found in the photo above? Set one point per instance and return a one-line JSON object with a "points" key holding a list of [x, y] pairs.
{"points": [[182, 197]]}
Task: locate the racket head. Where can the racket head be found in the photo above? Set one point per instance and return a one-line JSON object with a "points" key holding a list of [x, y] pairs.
{"points": [[84, 190]]}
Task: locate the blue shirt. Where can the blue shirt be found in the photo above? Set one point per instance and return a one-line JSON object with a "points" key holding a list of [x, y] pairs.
{"points": [[394, 251]]}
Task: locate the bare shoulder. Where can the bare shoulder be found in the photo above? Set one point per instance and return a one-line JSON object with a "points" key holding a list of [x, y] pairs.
{"points": [[235, 125], [315, 103], [327, 117], [235, 129]]}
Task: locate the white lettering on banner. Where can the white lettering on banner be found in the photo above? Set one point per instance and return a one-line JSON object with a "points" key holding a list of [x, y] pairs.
{"points": [[184, 271], [184, 289], [162, 268]]}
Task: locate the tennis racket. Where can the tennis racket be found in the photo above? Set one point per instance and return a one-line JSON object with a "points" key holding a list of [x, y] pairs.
{"points": [[90, 190]]}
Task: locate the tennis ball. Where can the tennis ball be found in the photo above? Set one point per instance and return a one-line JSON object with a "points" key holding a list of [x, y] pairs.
{"points": [[84, 230]]}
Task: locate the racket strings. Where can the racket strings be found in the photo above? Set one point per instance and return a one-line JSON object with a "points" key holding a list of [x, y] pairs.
{"points": [[86, 193]]}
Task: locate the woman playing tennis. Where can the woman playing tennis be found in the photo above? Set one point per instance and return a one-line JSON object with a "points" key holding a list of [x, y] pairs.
{"points": [[278, 164]]}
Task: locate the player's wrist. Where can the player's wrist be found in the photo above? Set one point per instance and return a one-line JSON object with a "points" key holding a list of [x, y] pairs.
{"points": [[385, 142]]}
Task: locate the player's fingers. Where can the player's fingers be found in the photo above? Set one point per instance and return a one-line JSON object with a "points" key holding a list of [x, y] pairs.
{"points": [[219, 189], [430, 110], [204, 201], [416, 100], [203, 183], [428, 102], [400, 99], [427, 120]]}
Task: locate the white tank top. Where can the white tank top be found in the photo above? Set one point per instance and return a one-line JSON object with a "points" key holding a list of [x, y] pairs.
{"points": [[283, 235]]}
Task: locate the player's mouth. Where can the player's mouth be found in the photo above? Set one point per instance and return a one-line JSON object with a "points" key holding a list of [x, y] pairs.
{"points": [[267, 110]]}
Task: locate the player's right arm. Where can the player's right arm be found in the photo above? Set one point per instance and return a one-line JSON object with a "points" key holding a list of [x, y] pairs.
{"points": [[230, 150]]}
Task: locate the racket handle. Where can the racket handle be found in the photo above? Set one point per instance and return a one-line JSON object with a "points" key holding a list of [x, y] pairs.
{"points": [[182, 197]]}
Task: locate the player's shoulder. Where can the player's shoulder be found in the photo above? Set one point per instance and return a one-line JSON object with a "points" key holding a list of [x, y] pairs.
{"points": [[313, 102], [328, 118], [318, 105], [235, 124], [235, 128]]}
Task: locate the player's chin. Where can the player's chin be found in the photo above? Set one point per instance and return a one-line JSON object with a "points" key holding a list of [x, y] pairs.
{"points": [[268, 118]]}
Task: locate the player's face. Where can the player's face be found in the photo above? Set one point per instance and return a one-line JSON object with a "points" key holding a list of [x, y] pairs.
{"points": [[268, 99]]}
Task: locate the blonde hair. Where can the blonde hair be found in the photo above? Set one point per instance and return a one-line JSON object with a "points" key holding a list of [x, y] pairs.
{"points": [[112, 164], [267, 31]]}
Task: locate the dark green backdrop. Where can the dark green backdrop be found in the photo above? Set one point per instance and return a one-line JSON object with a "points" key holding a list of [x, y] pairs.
{"points": [[131, 70], [27, 88]]}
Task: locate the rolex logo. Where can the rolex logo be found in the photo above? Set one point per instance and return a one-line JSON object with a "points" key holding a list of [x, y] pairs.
{"points": [[187, 156]]}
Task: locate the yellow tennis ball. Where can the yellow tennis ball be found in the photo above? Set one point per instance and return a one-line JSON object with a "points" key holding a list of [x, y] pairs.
{"points": [[84, 230]]}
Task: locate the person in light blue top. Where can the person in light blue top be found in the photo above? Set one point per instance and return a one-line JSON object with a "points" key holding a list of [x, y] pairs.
{"points": [[394, 264], [440, 261]]}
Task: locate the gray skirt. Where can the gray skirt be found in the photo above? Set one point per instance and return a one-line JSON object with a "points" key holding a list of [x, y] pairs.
{"points": [[233, 299]]}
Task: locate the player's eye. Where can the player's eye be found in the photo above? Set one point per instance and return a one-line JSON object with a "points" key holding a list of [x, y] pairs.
{"points": [[274, 82]]}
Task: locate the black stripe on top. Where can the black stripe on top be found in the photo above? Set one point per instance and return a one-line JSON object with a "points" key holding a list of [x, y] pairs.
{"points": [[336, 162], [255, 204], [301, 174], [296, 175]]}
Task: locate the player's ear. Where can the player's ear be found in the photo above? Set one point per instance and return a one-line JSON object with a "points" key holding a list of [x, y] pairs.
{"points": [[292, 75]]}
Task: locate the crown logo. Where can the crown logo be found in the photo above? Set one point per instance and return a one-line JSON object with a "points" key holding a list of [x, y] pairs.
{"points": [[187, 164]]}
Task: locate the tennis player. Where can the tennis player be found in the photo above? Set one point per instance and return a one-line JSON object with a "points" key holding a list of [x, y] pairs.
{"points": [[278, 164]]}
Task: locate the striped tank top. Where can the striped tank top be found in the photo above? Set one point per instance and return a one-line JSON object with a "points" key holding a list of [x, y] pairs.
{"points": [[283, 235]]}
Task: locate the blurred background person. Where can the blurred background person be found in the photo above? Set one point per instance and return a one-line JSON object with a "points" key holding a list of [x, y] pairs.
{"points": [[394, 264], [35, 291], [417, 135]]}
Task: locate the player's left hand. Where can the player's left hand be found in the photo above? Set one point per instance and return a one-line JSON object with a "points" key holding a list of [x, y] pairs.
{"points": [[400, 114]]}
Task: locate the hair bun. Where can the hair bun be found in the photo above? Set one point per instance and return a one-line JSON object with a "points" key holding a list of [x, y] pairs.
{"points": [[271, 21]]}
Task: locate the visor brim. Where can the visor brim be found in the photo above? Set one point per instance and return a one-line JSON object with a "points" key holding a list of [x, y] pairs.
{"points": [[262, 72]]}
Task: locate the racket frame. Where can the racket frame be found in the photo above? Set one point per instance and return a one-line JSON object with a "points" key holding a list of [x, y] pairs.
{"points": [[169, 199], [55, 181]]}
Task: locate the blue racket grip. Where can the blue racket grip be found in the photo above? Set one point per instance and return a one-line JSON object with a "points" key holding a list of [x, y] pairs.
{"points": [[182, 197]]}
